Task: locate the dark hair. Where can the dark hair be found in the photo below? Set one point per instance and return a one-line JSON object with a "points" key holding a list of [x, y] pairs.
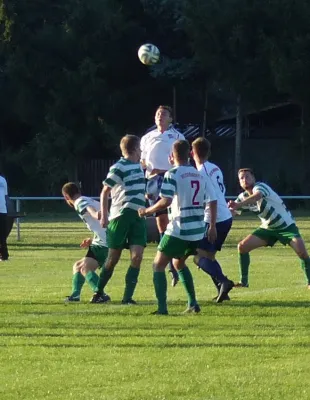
{"points": [[202, 147], [71, 189], [246, 170], [181, 148], [129, 144], [168, 108]]}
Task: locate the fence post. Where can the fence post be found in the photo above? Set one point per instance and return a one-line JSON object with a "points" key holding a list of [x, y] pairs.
{"points": [[17, 219]]}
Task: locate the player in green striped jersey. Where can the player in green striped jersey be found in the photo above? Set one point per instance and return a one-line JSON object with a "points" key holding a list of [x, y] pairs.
{"points": [[84, 269], [277, 223], [185, 191], [125, 183]]}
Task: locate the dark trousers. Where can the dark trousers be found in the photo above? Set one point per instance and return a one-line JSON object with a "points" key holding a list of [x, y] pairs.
{"points": [[4, 254]]}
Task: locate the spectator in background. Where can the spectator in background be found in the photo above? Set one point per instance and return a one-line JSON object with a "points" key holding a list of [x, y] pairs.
{"points": [[4, 254]]}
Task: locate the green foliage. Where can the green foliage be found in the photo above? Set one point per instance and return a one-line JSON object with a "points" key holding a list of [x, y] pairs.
{"points": [[71, 83]]}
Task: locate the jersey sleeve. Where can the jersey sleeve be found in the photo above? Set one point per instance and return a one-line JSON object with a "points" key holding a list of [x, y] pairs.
{"points": [[115, 176], [81, 206], [169, 186], [261, 188]]}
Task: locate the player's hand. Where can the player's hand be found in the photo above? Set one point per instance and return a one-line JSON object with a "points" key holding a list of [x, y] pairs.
{"points": [[171, 159], [232, 205], [212, 234], [142, 212], [86, 243]]}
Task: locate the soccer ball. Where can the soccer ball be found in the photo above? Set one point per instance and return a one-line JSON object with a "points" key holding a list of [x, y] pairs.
{"points": [[148, 54]]}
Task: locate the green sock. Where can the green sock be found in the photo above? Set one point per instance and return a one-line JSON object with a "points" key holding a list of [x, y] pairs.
{"points": [[131, 281], [188, 283], [104, 277], [160, 286], [244, 263], [77, 284], [305, 265], [92, 279]]}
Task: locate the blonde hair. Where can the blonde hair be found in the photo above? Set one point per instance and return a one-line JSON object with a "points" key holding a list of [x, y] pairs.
{"points": [[129, 144]]}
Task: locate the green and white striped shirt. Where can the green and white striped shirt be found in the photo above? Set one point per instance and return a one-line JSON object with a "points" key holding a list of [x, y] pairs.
{"points": [[188, 190], [128, 187], [80, 205], [270, 208]]}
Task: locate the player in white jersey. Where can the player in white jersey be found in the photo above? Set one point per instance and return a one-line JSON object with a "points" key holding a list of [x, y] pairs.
{"points": [[185, 191], [277, 223], [206, 252], [156, 148], [125, 183], [84, 269]]}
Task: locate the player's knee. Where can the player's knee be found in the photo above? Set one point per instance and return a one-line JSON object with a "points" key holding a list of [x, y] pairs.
{"points": [[136, 260], [76, 267], [302, 254], [158, 268], [242, 247]]}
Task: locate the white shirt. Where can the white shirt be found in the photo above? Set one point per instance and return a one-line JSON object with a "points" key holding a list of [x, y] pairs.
{"points": [[156, 147], [189, 191], [80, 205], [216, 176], [3, 193]]}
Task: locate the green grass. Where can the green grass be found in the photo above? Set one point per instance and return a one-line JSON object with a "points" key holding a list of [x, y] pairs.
{"points": [[254, 347]]}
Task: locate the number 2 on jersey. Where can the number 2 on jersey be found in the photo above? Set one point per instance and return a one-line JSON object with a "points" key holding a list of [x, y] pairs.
{"points": [[196, 186]]}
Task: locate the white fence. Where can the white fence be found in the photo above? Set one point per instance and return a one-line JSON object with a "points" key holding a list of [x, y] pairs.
{"points": [[18, 201]]}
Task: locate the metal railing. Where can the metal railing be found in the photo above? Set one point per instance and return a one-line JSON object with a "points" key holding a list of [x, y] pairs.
{"points": [[18, 201]]}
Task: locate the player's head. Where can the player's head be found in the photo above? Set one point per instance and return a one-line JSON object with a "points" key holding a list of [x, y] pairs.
{"points": [[70, 192], [163, 117], [246, 178], [130, 147], [180, 152], [201, 149]]}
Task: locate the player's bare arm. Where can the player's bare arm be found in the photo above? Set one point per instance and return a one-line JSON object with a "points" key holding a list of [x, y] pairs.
{"points": [[157, 171], [143, 164], [233, 205], [93, 212], [212, 232], [104, 205], [162, 204]]}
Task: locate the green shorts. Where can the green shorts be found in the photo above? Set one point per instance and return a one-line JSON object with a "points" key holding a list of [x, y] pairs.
{"points": [[126, 230], [284, 236], [177, 248], [99, 253]]}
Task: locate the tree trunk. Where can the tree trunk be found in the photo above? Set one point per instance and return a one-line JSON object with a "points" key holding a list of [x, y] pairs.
{"points": [[238, 135], [205, 108]]}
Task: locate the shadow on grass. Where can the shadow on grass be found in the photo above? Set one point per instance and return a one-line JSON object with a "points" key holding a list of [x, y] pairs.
{"points": [[160, 345], [114, 305], [44, 246]]}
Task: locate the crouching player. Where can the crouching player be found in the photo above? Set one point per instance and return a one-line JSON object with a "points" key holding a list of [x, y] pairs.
{"points": [[184, 191], [85, 268]]}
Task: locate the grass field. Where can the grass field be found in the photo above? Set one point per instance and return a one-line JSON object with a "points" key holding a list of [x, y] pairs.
{"points": [[256, 346]]}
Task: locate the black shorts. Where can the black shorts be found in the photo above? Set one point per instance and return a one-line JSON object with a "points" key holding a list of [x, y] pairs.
{"points": [[223, 229]]}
